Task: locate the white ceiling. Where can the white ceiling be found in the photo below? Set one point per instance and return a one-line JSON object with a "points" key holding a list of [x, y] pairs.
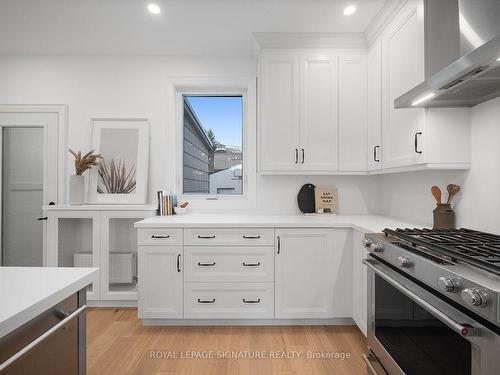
{"points": [[194, 27]]}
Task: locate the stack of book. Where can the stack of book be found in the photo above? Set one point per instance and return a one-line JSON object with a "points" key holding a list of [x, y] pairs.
{"points": [[166, 203]]}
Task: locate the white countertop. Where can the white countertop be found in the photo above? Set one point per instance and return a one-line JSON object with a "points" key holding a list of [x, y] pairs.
{"points": [[26, 292], [362, 223]]}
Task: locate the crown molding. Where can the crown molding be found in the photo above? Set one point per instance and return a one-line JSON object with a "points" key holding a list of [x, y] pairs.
{"points": [[382, 19], [310, 40]]}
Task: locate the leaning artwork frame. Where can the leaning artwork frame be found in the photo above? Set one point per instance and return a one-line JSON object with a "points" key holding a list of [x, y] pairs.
{"points": [[122, 175]]}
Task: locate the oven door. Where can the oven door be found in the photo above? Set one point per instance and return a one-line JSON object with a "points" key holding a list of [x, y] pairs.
{"points": [[412, 331]]}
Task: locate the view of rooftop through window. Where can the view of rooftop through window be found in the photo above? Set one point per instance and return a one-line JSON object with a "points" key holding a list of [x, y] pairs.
{"points": [[213, 144]]}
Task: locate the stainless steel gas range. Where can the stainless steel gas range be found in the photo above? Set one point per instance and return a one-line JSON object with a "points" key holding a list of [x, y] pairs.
{"points": [[433, 302]]}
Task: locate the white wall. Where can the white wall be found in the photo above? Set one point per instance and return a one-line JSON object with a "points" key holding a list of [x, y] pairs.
{"points": [[408, 195], [137, 87]]}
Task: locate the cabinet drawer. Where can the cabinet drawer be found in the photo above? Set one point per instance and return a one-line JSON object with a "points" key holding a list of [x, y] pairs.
{"points": [[229, 236], [228, 264], [229, 301], [159, 236]]}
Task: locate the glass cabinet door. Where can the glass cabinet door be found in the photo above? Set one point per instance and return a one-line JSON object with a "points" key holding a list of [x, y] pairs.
{"points": [[119, 255], [76, 239]]}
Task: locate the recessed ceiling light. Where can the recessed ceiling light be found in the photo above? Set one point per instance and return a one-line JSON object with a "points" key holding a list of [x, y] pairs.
{"points": [[424, 98], [348, 10], [154, 8]]}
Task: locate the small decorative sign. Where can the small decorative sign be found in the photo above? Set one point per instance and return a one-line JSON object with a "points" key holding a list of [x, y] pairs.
{"points": [[326, 198]]}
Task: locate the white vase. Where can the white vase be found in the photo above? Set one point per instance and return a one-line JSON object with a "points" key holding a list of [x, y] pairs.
{"points": [[76, 190]]}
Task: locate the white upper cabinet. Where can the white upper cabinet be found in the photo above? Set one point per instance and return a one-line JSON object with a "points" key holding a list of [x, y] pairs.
{"points": [[403, 56], [279, 113], [307, 101], [374, 107], [352, 113], [319, 114]]}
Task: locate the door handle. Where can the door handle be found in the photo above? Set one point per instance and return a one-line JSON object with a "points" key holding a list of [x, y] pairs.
{"points": [[206, 264], [375, 154], [178, 262], [206, 237], [303, 156], [296, 156], [251, 264], [279, 244], [206, 300], [416, 142], [251, 300]]}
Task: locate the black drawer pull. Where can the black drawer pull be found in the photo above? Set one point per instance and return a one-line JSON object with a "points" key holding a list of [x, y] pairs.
{"points": [[251, 300], [206, 300], [206, 237], [251, 264], [206, 264], [251, 237], [158, 236]]}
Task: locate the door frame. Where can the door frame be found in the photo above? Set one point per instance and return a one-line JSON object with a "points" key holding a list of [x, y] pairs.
{"points": [[61, 112]]}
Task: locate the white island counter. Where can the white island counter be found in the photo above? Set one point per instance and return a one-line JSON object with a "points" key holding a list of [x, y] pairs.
{"points": [[26, 292]]}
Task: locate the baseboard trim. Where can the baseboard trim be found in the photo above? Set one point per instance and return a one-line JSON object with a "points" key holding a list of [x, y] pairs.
{"points": [[249, 322]]}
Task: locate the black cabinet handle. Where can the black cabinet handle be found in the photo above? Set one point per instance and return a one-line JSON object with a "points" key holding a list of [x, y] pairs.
{"points": [[206, 237], [296, 156], [251, 264], [178, 262], [416, 142], [42, 218], [279, 244], [206, 264], [251, 300], [206, 300], [251, 237], [303, 156], [375, 154], [158, 236]]}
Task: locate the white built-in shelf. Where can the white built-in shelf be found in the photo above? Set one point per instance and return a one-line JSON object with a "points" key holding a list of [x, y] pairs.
{"points": [[101, 207]]}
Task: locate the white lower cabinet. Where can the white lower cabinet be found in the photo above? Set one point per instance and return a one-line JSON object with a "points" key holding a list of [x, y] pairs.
{"points": [[307, 265], [160, 282], [359, 282], [296, 273]]}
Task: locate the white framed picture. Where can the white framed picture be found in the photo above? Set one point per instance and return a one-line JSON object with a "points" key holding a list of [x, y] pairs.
{"points": [[122, 174]]}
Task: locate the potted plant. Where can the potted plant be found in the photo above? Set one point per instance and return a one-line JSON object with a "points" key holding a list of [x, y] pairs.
{"points": [[77, 181]]}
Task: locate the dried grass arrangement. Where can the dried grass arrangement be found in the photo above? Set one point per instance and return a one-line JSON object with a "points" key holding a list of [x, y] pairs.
{"points": [[85, 162], [115, 179]]}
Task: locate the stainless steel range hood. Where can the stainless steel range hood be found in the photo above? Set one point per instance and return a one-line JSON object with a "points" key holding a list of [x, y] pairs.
{"points": [[464, 37]]}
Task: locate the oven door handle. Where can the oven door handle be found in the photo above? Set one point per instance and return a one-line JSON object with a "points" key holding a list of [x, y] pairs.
{"points": [[461, 329]]}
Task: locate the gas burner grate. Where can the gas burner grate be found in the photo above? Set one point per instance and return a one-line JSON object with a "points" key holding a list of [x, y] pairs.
{"points": [[469, 246]]}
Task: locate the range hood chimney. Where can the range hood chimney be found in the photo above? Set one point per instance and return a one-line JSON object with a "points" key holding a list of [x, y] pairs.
{"points": [[462, 55]]}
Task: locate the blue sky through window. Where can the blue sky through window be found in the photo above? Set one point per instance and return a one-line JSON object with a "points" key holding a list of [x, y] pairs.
{"points": [[222, 114]]}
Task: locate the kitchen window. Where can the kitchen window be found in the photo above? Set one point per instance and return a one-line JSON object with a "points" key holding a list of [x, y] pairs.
{"points": [[212, 145], [216, 142]]}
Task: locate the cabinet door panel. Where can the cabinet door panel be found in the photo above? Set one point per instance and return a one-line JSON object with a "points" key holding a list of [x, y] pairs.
{"points": [[352, 113], [374, 108], [306, 272], [403, 69], [319, 124], [279, 110], [160, 282]]}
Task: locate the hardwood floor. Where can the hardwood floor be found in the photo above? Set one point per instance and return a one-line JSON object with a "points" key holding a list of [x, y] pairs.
{"points": [[117, 343]]}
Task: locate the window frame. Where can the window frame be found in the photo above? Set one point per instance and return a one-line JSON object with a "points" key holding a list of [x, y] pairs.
{"points": [[244, 87]]}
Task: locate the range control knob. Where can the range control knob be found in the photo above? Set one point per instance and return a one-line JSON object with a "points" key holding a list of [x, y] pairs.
{"points": [[373, 246], [447, 284], [474, 297], [403, 262]]}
